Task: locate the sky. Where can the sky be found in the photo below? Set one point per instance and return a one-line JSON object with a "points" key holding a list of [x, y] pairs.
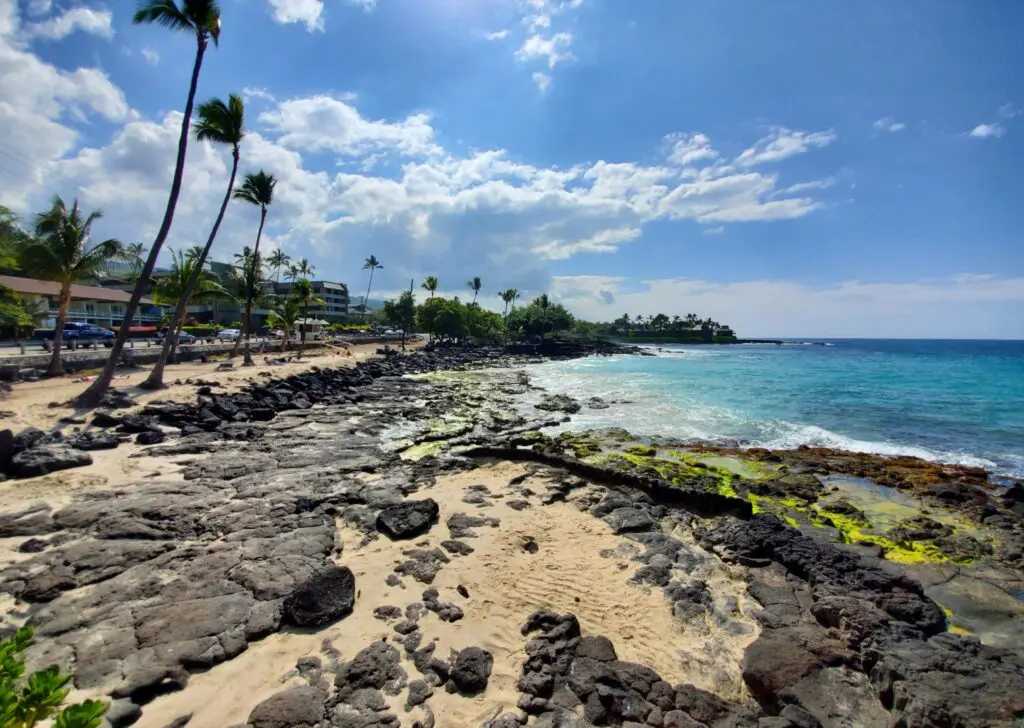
{"points": [[792, 168]]}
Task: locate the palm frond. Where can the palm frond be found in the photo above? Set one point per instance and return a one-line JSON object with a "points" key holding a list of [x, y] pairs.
{"points": [[219, 122], [164, 13], [258, 189]]}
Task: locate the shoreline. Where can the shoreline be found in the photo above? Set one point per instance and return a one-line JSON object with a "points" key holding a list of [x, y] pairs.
{"points": [[188, 560]]}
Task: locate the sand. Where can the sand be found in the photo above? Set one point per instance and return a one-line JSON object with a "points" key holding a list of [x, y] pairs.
{"points": [[41, 404], [505, 585]]}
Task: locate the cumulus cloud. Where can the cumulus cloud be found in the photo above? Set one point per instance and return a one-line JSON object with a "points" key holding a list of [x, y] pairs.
{"points": [[307, 12], [784, 143], [86, 20], [685, 149], [978, 306], [544, 37], [497, 35], [985, 131], [888, 124], [554, 49]]}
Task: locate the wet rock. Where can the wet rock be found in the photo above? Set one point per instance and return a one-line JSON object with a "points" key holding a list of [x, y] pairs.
{"points": [[780, 658], [45, 459], [558, 403], [326, 597], [300, 707], [471, 670], [597, 403], [408, 519]]}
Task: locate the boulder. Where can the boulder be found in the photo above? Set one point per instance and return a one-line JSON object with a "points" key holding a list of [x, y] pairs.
{"points": [[326, 597], [559, 403], [471, 670], [408, 519], [46, 459], [301, 707]]}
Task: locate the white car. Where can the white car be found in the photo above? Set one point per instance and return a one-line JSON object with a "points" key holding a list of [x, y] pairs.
{"points": [[228, 335]]}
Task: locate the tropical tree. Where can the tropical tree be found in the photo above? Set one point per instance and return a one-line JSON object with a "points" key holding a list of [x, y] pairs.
{"points": [[61, 252], [278, 260], [302, 291], [133, 255], [302, 269], [475, 284], [370, 264], [430, 284], [170, 288], [284, 315], [509, 296], [258, 190], [220, 123], [200, 18], [243, 280], [401, 313], [540, 318]]}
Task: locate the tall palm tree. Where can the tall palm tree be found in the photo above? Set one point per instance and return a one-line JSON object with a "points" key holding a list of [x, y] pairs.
{"points": [[302, 291], [220, 123], [200, 18], [284, 315], [244, 280], [133, 256], [370, 264], [509, 295], [278, 260], [258, 189], [475, 285], [430, 284], [61, 252], [300, 269]]}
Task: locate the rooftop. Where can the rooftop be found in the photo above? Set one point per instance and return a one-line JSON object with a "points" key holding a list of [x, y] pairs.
{"points": [[52, 288]]}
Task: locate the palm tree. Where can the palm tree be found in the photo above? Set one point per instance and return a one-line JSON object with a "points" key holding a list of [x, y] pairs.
{"points": [[475, 285], [284, 315], [133, 256], [370, 264], [278, 260], [200, 18], [430, 284], [245, 280], [301, 269], [302, 291], [508, 296], [222, 124], [258, 189], [61, 252]]}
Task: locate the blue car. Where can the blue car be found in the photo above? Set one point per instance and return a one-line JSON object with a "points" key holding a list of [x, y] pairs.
{"points": [[78, 332]]}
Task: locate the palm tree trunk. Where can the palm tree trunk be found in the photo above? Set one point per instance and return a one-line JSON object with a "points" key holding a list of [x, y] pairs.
{"points": [[92, 396], [366, 301], [56, 369], [305, 325], [251, 293], [156, 377]]}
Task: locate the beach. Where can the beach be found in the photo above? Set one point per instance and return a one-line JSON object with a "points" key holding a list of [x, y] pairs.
{"points": [[421, 540]]}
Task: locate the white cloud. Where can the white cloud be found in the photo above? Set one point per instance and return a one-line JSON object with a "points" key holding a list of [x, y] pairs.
{"points": [[151, 55], [984, 131], [713, 231], [87, 20], [818, 184], [974, 306], [329, 123], [254, 92], [367, 5], [39, 7], [1009, 111], [309, 12], [543, 80], [497, 35], [555, 49], [783, 143], [888, 124], [685, 149]]}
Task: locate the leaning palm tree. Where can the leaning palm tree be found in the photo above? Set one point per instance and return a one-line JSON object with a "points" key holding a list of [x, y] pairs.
{"points": [[200, 18], [244, 280], [475, 285], [302, 291], [430, 284], [372, 264], [284, 315], [258, 189], [61, 252], [278, 260], [221, 123]]}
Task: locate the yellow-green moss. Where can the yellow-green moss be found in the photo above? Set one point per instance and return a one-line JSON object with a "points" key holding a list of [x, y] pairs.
{"points": [[642, 450], [852, 530]]}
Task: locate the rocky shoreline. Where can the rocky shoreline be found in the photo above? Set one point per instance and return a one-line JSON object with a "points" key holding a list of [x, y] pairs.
{"points": [[280, 490]]}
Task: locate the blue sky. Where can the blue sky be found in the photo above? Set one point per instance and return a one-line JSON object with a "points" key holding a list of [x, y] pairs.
{"points": [[794, 168]]}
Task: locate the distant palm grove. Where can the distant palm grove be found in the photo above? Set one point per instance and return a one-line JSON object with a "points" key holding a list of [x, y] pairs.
{"points": [[58, 247]]}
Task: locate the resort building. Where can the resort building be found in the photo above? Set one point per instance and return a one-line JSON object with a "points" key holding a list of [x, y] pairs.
{"points": [[89, 304]]}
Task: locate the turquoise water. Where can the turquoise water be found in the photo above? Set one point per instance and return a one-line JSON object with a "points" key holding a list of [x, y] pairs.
{"points": [[952, 401]]}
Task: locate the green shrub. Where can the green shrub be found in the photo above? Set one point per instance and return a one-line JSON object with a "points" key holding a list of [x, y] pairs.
{"points": [[200, 330], [27, 701]]}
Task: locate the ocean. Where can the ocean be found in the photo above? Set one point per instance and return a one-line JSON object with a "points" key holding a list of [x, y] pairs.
{"points": [[949, 401]]}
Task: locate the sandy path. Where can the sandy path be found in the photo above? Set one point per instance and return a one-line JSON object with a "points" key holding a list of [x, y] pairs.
{"points": [[505, 585]]}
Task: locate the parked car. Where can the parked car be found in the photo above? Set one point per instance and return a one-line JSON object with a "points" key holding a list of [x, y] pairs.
{"points": [[228, 335], [183, 337], [78, 332]]}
